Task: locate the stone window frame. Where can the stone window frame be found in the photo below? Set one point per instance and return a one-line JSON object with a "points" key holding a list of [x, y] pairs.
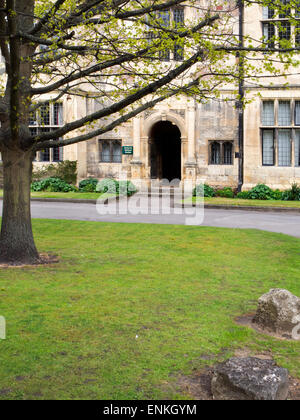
{"points": [[221, 143], [111, 143], [177, 54], [270, 23], [293, 127], [43, 120], [263, 130]]}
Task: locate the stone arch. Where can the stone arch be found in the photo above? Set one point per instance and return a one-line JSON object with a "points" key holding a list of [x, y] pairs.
{"points": [[165, 116]]}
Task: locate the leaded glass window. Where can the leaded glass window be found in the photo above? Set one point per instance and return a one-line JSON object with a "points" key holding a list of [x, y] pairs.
{"points": [[221, 152], [215, 157], [285, 31], [117, 152], [284, 113], [284, 143], [227, 153], [58, 154], [268, 147], [297, 35], [297, 148], [178, 16], [297, 112], [285, 10], [278, 25], [166, 19], [268, 12], [269, 33], [297, 9], [110, 151], [58, 114], [105, 156], [45, 114], [45, 155], [32, 118], [268, 116], [284, 148], [164, 55], [47, 117]]}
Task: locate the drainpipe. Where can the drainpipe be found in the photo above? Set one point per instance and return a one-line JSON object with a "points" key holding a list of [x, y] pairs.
{"points": [[240, 56]]}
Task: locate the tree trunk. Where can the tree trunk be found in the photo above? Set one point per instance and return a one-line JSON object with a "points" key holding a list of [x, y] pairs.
{"points": [[16, 239]]}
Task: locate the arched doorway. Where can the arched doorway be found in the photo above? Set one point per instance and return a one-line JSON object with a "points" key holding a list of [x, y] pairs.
{"points": [[165, 151]]}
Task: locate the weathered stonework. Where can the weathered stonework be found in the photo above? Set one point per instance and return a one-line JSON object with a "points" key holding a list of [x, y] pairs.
{"points": [[250, 379], [278, 312], [200, 124]]}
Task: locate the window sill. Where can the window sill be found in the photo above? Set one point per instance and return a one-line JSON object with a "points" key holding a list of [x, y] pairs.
{"points": [[280, 166], [110, 163], [281, 127]]}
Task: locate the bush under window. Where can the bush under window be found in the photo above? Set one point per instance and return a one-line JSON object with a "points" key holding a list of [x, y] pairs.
{"points": [[113, 186], [88, 185], [203, 190], [52, 185]]}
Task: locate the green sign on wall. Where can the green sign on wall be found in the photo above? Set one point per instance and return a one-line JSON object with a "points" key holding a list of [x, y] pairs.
{"points": [[127, 150]]}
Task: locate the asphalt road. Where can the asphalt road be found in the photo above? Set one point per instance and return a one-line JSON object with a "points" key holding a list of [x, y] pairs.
{"points": [[288, 223]]}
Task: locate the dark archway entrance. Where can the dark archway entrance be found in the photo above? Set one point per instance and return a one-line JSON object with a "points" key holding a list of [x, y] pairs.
{"points": [[165, 149]]}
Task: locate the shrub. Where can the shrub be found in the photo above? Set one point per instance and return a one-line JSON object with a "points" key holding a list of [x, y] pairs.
{"points": [[277, 195], [52, 185], [225, 192], [261, 192], [66, 171], [47, 171], [107, 186], [203, 191], [88, 185], [244, 195], [293, 194], [126, 188], [116, 187]]}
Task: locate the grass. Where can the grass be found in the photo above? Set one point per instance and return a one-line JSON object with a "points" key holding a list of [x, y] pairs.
{"points": [[130, 307], [208, 200], [68, 195], [242, 202], [71, 195]]}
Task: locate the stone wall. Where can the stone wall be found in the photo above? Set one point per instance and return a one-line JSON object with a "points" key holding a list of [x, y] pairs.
{"points": [[199, 124]]}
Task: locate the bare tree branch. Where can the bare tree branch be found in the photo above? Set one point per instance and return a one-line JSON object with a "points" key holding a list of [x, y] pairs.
{"points": [[114, 124], [151, 88], [45, 18]]}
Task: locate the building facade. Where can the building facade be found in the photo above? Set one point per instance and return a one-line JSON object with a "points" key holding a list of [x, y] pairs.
{"points": [[215, 142]]}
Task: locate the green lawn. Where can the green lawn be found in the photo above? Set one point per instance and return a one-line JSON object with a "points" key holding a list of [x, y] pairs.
{"points": [[208, 200], [71, 195], [68, 195], [131, 307], [240, 202]]}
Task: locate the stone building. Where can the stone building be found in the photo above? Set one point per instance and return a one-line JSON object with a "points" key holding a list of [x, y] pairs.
{"points": [[212, 142]]}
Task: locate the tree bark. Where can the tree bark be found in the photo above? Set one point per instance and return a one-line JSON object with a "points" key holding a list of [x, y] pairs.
{"points": [[16, 239]]}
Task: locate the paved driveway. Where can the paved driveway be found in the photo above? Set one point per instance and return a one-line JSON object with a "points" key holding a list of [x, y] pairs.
{"points": [[288, 223]]}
